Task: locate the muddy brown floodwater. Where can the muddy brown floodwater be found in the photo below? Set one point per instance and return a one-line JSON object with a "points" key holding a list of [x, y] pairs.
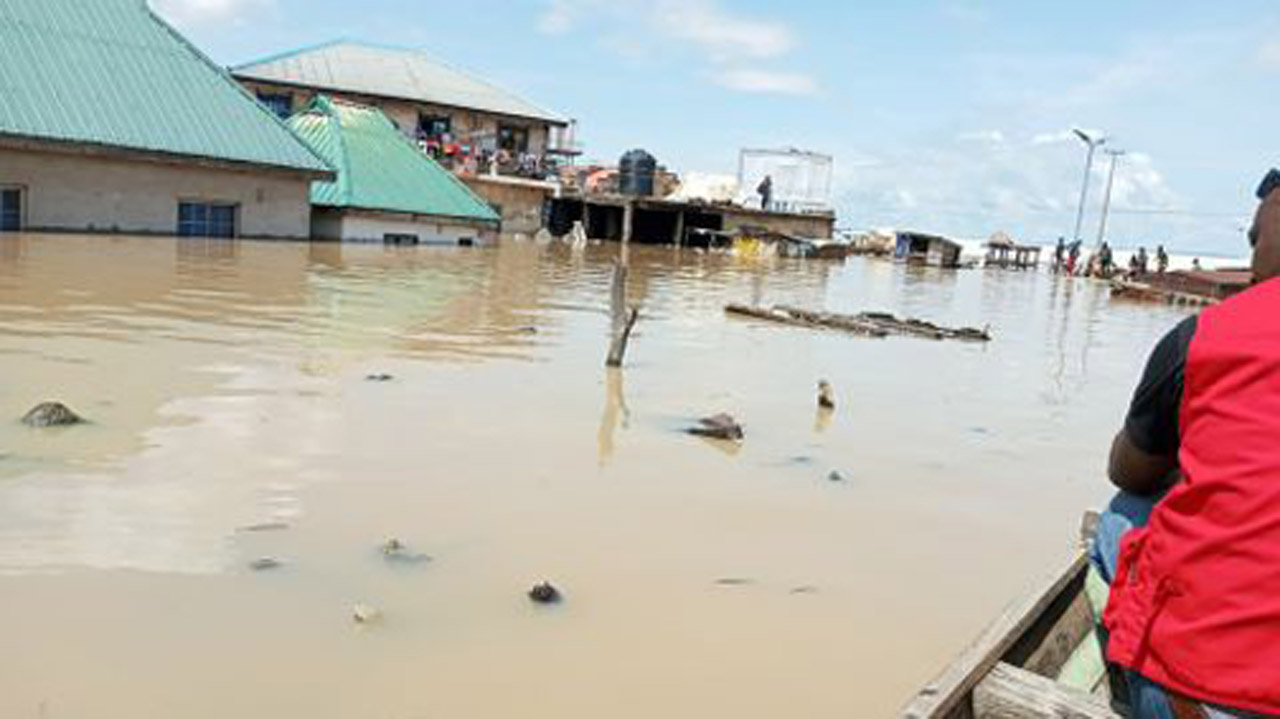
{"points": [[226, 385]]}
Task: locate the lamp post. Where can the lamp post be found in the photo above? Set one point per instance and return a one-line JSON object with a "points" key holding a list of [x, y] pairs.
{"points": [[1106, 202], [1094, 143]]}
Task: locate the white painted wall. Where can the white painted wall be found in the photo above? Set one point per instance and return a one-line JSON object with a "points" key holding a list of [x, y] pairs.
{"points": [[77, 193], [360, 227]]}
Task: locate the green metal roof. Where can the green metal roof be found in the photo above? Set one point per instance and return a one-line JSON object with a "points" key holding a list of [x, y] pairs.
{"points": [[112, 73], [378, 168]]}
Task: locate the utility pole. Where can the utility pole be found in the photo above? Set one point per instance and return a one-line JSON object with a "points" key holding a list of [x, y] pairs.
{"points": [[1094, 143], [1106, 202]]}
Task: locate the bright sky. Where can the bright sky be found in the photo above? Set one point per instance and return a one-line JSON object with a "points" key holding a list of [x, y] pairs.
{"points": [[944, 115]]}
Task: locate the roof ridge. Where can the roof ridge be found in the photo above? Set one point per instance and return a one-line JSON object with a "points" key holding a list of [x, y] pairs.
{"points": [[285, 55], [346, 186]]}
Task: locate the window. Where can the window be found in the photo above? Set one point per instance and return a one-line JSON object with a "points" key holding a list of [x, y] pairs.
{"points": [[281, 103], [513, 139], [433, 127], [205, 219], [10, 210], [396, 238]]}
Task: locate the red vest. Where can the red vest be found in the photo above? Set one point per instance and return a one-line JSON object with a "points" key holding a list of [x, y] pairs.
{"points": [[1195, 605]]}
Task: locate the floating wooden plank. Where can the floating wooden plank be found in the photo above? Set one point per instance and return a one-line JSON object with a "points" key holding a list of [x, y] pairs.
{"points": [[870, 324], [949, 696], [781, 317], [1008, 692]]}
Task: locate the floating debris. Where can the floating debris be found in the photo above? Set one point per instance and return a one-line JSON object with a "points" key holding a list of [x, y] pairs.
{"points": [[836, 476], [721, 426], [869, 324], [265, 564], [51, 414], [393, 550], [804, 590], [826, 395], [265, 527], [545, 593], [380, 378], [527, 330], [735, 582], [365, 614]]}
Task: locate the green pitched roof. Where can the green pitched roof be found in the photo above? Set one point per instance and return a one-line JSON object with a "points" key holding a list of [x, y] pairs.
{"points": [[111, 73], [378, 168]]}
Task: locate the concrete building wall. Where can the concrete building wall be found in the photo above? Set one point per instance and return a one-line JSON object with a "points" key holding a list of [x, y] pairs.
{"points": [[86, 193], [520, 201], [466, 124], [355, 226], [817, 227]]}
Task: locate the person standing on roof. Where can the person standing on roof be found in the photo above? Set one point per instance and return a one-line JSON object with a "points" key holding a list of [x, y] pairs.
{"points": [[765, 191], [1162, 260], [1191, 545]]}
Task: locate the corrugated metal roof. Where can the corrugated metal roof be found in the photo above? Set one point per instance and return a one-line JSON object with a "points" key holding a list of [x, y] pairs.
{"points": [[110, 72], [378, 168], [380, 71]]}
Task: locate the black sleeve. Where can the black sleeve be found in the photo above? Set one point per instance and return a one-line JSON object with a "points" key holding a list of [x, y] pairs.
{"points": [[1152, 424]]}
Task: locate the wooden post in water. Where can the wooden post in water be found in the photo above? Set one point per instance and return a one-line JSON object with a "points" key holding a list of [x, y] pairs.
{"points": [[624, 320]]}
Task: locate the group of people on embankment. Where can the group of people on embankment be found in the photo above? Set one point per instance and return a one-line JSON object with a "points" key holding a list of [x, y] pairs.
{"points": [[1102, 264]]}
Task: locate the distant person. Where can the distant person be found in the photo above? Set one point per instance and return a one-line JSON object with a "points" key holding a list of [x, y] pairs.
{"points": [[766, 193], [1162, 260], [1191, 545], [1195, 264], [1140, 262], [1059, 255], [1105, 259], [1073, 258]]}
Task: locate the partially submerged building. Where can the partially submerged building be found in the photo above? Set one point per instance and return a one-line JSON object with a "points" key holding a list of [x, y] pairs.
{"points": [[110, 121], [385, 189], [505, 147], [932, 250]]}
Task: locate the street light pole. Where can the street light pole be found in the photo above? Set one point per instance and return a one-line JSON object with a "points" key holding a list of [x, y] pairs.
{"points": [[1106, 202], [1094, 143]]}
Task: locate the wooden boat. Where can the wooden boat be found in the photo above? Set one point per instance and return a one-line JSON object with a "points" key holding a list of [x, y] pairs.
{"points": [[1041, 658]]}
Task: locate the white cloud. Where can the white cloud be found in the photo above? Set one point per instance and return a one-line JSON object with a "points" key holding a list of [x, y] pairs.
{"points": [[731, 45], [1269, 55], [986, 137], [765, 81], [558, 18], [725, 36], [1030, 188], [185, 12]]}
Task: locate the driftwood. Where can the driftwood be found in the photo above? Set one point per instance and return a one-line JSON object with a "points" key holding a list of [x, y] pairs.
{"points": [[869, 324], [721, 426]]}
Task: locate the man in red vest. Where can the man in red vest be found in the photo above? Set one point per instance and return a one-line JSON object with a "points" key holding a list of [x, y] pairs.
{"points": [[1191, 547]]}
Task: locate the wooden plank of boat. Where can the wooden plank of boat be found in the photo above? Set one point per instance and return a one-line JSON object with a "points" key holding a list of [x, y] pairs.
{"points": [[1008, 692], [1036, 636]]}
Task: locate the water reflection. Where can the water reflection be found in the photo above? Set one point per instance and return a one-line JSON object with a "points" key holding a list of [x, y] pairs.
{"points": [[226, 384], [616, 413]]}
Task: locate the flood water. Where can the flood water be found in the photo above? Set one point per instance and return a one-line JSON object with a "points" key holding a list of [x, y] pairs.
{"points": [[226, 384]]}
